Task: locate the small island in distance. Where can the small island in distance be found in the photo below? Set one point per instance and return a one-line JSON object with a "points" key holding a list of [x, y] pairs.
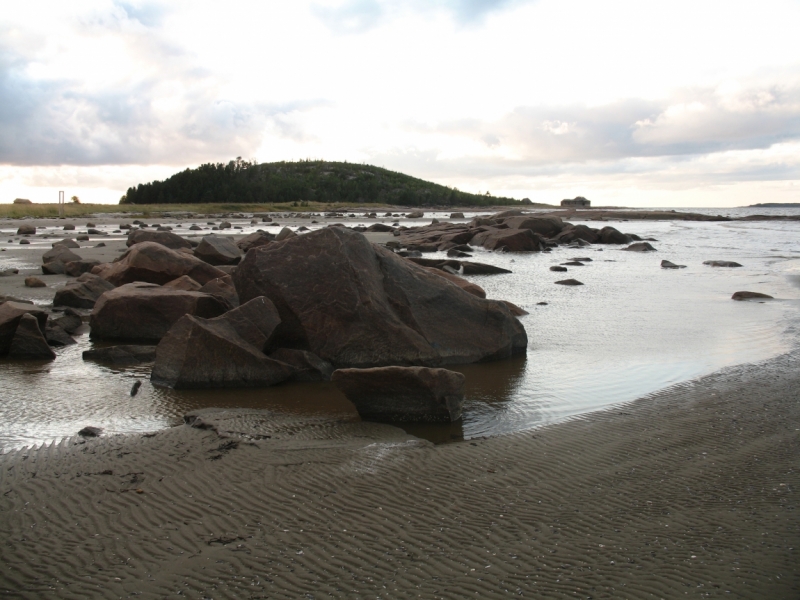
{"points": [[775, 205]]}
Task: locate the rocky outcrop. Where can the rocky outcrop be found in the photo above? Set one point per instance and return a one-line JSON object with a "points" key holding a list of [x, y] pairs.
{"points": [[83, 292], [164, 238], [354, 304], [397, 394], [153, 263], [224, 352], [145, 311], [217, 250]]}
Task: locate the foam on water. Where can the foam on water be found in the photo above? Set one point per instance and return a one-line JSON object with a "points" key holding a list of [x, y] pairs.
{"points": [[632, 329]]}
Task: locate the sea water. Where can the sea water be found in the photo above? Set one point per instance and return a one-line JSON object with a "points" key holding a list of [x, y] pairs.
{"points": [[633, 328]]}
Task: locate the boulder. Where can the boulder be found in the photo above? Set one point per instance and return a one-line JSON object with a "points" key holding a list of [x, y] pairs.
{"points": [[67, 242], [721, 263], [165, 238], [56, 335], [285, 233], [558, 269], [145, 311], [457, 215], [61, 253], [154, 263], [90, 431], [223, 289], [640, 247], [34, 282], [415, 215], [28, 342], [76, 268], [356, 304], [403, 394], [22, 201], [225, 352], [308, 366], [569, 282], [609, 235], [11, 313], [216, 250], [513, 240], [184, 282], [122, 355], [254, 240], [70, 321], [572, 233], [750, 296], [26, 230], [665, 264], [69, 227], [465, 285], [544, 226], [83, 292]]}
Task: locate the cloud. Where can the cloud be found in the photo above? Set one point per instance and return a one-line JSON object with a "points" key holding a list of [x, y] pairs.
{"points": [[355, 16]]}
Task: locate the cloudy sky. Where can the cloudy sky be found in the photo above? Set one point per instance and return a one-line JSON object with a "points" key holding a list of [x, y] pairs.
{"points": [[679, 103]]}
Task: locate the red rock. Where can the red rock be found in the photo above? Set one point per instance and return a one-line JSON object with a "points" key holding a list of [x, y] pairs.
{"points": [[218, 250], [153, 263], [83, 292], [10, 315], [29, 342], [165, 238]]}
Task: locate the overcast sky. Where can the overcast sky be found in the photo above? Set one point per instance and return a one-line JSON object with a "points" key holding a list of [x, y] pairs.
{"points": [[680, 103]]}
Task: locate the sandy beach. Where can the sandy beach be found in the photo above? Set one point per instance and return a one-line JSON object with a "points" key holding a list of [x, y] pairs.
{"points": [[690, 492]]}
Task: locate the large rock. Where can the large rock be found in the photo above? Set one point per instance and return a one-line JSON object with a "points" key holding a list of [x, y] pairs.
{"points": [[355, 304], [511, 240], [223, 289], [165, 238], [392, 394], [153, 263], [216, 250], [545, 226], [83, 292], [26, 230], [29, 342], [465, 285], [222, 352], [145, 311], [78, 267], [308, 366], [54, 261], [11, 314], [640, 247], [610, 235]]}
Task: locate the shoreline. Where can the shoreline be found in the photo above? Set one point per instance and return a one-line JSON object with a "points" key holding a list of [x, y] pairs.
{"points": [[691, 490]]}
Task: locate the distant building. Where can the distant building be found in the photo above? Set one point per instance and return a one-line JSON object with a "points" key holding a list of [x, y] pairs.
{"points": [[579, 202]]}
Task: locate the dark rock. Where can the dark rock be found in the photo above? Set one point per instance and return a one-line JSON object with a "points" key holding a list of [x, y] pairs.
{"points": [[749, 296], [9, 272], [82, 238], [83, 292], [184, 282], [357, 304], [69, 227], [558, 269], [26, 230], [90, 431], [154, 263], [11, 314], [254, 240], [122, 355], [457, 215], [721, 263], [165, 238], [34, 282], [56, 335], [221, 353], [70, 321], [60, 252], [609, 235], [541, 304], [465, 285], [665, 264], [640, 247], [135, 388], [92, 231], [222, 288], [517, 311], [380, 228], [544, 226], [195, 228], [145, 311], [76, 268], [28, 342], [284, 234], [582, 259], [225, 225], [577, 233], [67, 243], [403, 394], [55, 267], [308, 366], [218, 250], [573, 263], [453, 253], [100, 245], [415, 215], [569, 282], [25, 242]]}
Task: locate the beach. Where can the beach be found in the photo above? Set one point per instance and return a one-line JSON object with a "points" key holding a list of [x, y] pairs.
{"points": [[687, 493], [645, 447]]}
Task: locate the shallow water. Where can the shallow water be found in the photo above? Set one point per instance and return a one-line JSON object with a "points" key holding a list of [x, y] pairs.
{"points": [[632, 329]]}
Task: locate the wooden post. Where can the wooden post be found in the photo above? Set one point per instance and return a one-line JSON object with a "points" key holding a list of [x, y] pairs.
{"points": [[61, 204]]}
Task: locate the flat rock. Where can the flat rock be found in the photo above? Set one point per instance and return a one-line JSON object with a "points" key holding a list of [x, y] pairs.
{"points": [[750, 296], [721, 263], [122, 355], [145, 311], [665, 264], [569, 282], [558, 269], [640, 247], [164, 238], [403, 394], [154, 263]]}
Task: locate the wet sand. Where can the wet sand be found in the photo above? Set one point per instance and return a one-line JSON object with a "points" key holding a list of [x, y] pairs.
{"points": [[687, 493]]}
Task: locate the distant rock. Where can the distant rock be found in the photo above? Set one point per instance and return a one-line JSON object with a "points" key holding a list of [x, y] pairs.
{"points": [[721, 263], [573, 263], [750, 296], [154, 263], [403, 394], [569, 282], [83, 292], [165, 238], [254, 240], [456, 215], [609, 235], [218, 250], [67, 243], [640, 247], [558, 269], [26, 230], [34, 282], [665, 264], [90, 431], [22, 201], [69, 227], [415, 215]]}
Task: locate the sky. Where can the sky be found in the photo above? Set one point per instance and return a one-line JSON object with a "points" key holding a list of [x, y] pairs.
{"points": [[674, 104]]}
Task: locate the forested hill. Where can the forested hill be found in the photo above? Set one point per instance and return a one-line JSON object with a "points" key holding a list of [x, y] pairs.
{"points": [[316, 181]]}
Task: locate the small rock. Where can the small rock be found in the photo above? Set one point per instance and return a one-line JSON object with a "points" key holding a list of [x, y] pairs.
{"points": [[26, 230], [90, 431], [640, 247], [749, 296], [69, 227], [34, 282], [569, 282], [665, 264], [558, 269], [135, 388], [721, 263], [24, 242]]}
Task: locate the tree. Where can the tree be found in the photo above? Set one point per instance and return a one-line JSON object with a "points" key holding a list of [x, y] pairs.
{"points": [[76, 200]]}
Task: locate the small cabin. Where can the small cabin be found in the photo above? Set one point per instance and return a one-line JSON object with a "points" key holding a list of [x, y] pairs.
{"points": [[579, 202]]}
